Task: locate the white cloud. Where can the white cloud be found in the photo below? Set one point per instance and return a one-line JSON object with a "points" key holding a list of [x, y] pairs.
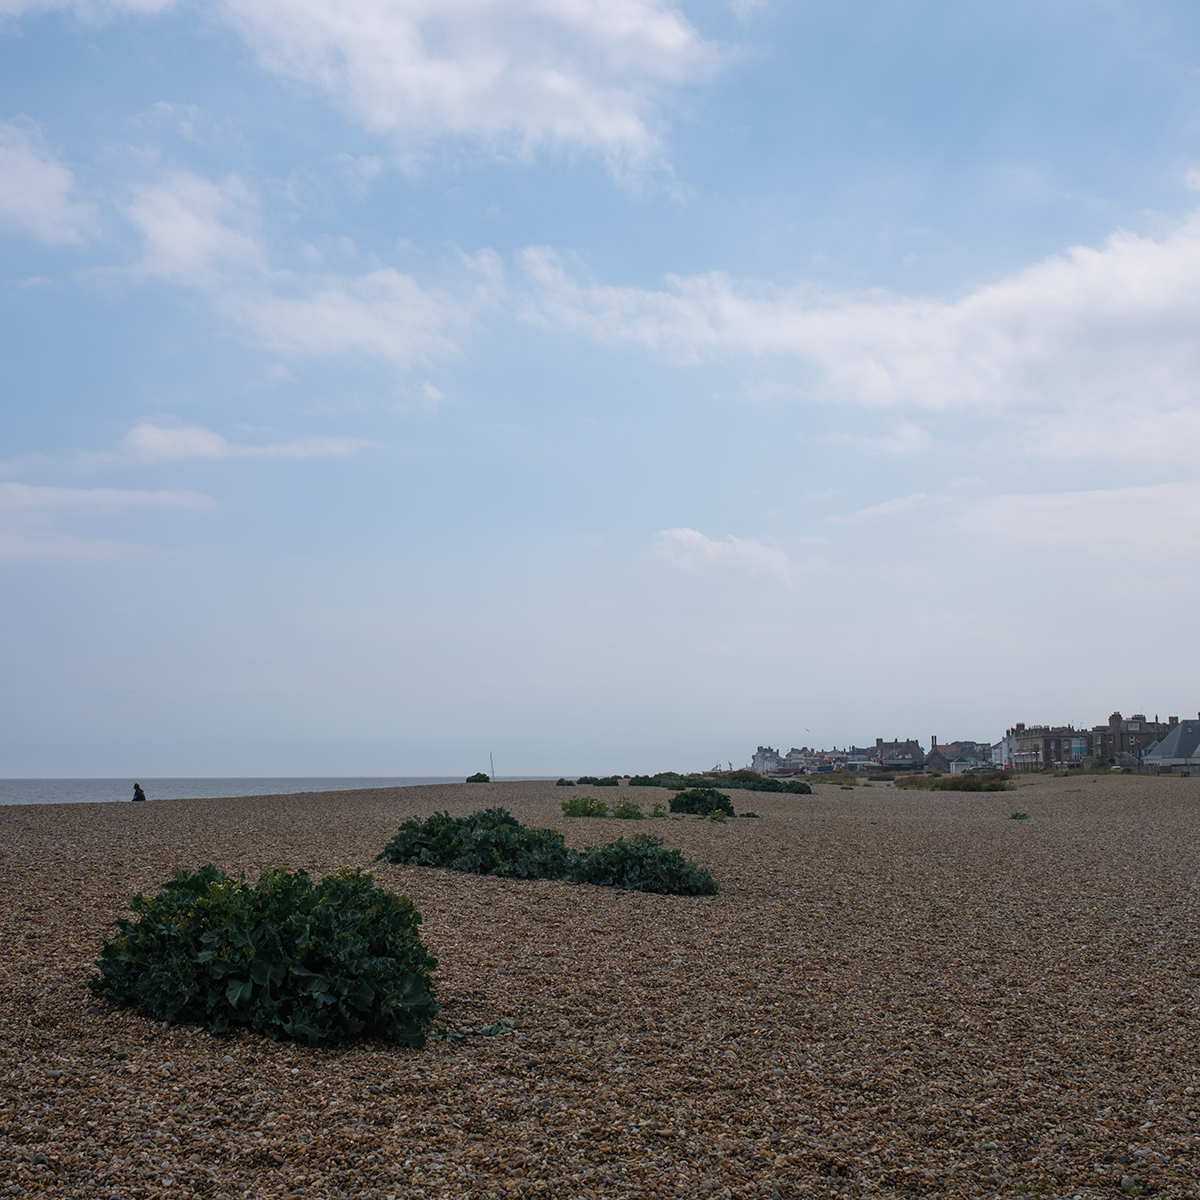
{"points": [[384, 314], [1079, 344], [195, 231], [37, 192], [517, 74], [198, 233], [24, 498], [891, 508], [150, 443], [690, 550], [1109, 525]]}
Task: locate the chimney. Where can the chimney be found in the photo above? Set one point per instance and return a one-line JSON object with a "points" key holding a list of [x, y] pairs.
{"points": [[1172, 722], [933, 740]]}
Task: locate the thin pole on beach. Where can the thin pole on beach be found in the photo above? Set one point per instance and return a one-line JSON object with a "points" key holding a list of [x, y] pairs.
{"points": [[492, 760]]}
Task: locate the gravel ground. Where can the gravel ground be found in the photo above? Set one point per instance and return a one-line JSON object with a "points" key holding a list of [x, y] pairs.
{"points": [[895, 994]]}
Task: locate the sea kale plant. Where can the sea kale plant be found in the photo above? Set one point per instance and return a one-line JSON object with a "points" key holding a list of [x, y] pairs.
{"points": [[287, 958], [493, 842], [747, 781], [584, 806], [701, 802]]}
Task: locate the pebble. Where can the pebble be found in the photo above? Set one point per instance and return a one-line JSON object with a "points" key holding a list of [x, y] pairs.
{"points": [[895, 994]]}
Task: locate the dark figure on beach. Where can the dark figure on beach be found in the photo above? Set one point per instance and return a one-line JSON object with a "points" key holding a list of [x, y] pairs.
{"points": [[138, 794]]}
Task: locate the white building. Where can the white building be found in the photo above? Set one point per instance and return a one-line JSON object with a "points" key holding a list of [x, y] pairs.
{"points": [[766, 761]]}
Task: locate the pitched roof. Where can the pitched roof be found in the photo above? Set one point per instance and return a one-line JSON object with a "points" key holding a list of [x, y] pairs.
{"points": [[1182, 744]]}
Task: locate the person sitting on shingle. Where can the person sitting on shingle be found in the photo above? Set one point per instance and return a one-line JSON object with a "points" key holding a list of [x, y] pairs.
{"points": [[138, 794]]}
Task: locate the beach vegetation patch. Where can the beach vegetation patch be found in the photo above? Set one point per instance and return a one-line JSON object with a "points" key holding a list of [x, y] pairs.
{"points": [[702, 801], [489, 842], [493, 842], [1019, 816], [643, 864], [606, 781], [968, 781], [565, 783], [628, 811], [746, 781], [584, 806], [478, 777], [286, 957]]}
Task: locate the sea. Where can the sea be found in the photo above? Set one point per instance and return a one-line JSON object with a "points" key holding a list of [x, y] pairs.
{"points": [[91, 791]]}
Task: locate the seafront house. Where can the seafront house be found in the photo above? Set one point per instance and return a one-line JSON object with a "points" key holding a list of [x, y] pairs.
{"points": [[766, 761], [1179, 751], [1124, 741], [939, 758], [1049, 747], [899, 756]]}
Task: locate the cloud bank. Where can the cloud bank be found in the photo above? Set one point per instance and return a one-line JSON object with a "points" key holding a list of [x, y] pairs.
{"points": [[512, 75], [37, 192], [515, 74], [1080, 345], [202, 234], [690, 550], [150, 443]]}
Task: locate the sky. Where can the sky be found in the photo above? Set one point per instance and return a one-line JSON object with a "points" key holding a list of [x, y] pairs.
{"points": [[603, 385]]}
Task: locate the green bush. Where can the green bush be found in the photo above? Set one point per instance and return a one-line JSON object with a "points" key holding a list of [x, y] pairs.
{"points": [[665, 779], [643, 865], [584, 806], [968, 781], [490, 842], [478, 777], [746, 781], [493, 842], [286, 957], [701, 801], [565, 783], [607, 781], [628, 811]]}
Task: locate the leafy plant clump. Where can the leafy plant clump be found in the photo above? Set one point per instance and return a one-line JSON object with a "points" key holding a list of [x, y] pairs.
{"points": [[1019, 816], [584, 806], [702, 801], [747, 781], [478, 777], [565, 783], [628, 811], [493, 842], [641, 864], [607, 781], [287, 958], [489, 842]]}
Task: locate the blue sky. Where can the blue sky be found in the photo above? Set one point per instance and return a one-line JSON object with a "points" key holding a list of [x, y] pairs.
{"points": [[608, 386]]}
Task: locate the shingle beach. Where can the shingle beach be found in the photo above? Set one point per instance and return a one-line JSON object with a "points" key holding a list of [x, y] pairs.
{"points": [[895, 994]]}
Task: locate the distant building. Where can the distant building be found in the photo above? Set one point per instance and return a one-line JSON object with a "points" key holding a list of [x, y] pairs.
{"points": [[1179, 750], [1003, 750], [766, 761], [939, 758], [899, 756], [1048, 748], [796, 760], [1130, 737]]}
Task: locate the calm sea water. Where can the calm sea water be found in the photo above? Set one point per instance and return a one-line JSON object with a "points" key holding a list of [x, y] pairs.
{"points": [[85, 791]]}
